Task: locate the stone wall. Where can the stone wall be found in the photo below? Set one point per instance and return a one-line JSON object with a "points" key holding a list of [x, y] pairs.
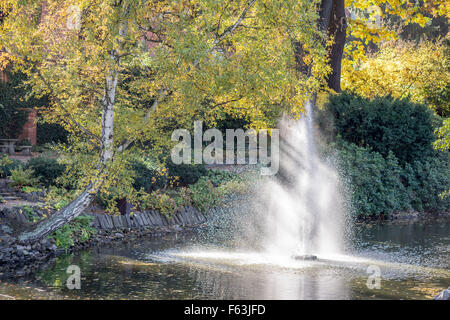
{"points": [[188, 216], [18, 259]]}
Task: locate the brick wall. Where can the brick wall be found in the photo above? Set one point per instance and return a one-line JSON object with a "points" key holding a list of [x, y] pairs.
{"points": [[29, 129]]}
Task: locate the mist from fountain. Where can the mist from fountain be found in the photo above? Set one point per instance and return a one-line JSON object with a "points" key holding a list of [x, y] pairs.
{"points": [[306, 214]]}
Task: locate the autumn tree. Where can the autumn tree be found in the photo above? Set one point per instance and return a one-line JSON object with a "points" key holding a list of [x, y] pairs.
{"points": [[120, 71], [125, 68]]}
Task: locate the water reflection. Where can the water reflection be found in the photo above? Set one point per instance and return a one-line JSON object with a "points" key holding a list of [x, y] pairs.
{"points": [[414, 262]]}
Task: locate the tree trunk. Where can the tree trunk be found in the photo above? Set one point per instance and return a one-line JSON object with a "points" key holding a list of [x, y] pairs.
{"points": [[332, 20], [337, 29], [56, 221], [82, 202]]}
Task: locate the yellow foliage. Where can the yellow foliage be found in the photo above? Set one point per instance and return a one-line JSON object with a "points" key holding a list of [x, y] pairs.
{"points": [[403, 69]]}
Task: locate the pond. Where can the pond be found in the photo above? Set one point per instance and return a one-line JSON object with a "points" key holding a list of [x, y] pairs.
{"points": [[413, 261]]}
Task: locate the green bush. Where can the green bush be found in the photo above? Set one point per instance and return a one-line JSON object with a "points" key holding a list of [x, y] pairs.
{"points": [[48, 169], [160, 201], [204, 195], [148, 177], [382, 186], [383, 124], [152, 177], [426, 180], [7, 164], [218, 177], [23, 177], [375, 181], [78, 229], [187, 173]]}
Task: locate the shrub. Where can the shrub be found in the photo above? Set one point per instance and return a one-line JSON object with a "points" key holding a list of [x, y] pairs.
{"points": [[426, 180], [148, 176], [382, 186], [58, 198], [160, 201], [152, 177], [383, 124], [203, 194], [187, 173], [218, 177], [28, 189], [48, 169], [23, 177], [375, 182], [233, 187], [30, 214], [79, 228], [6, 165]]}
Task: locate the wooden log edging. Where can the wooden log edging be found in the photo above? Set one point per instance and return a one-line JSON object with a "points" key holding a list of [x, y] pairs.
{"points": [[186, 217]]}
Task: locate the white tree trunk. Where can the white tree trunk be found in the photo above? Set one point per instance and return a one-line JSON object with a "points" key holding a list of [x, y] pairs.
{"points": [[82, 202]]}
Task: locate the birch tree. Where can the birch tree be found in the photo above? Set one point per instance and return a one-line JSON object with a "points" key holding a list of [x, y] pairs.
{"points": [[120, 72]]}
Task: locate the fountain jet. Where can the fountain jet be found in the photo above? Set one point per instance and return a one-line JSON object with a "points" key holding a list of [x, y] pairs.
{"points": [[305, 209]]}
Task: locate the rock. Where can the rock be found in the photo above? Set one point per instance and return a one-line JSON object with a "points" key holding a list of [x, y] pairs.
{"points": [[444, 295], [6, 229]]}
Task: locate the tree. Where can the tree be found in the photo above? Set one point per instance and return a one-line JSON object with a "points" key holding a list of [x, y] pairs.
{"points": [[127, 68], [120, 72], [419, 71]]}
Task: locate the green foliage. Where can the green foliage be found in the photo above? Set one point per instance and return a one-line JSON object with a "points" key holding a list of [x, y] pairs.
{"points": [[23, 177], [443, 133], [148, 176], [185, 174], [78, 229], [2, 200], [7, 164], [233, 187], [63, 237], [426, 181], [375, 181], [382, 124], [48, 169], [151, 176], [31, 215], [218, 177], [381, 186], [204, 195], [50, 133], [28, 189], [58, 198], [157, 200]]}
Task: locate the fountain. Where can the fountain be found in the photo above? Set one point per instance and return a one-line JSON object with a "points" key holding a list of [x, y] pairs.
{"points": [[296, 215], [305, 215]]}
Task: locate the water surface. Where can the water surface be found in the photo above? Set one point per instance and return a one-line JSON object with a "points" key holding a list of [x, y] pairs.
{"points": [[413, 259]]}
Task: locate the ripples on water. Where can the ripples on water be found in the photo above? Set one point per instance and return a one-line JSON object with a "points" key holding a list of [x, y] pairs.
{"points": [[413, 259]]}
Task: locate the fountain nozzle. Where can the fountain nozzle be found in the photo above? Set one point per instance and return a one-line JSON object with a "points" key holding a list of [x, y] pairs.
{"points": [[305, 257]]}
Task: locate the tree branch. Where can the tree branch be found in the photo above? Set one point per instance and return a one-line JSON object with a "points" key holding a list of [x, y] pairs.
{"points": [[67, 114]]}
